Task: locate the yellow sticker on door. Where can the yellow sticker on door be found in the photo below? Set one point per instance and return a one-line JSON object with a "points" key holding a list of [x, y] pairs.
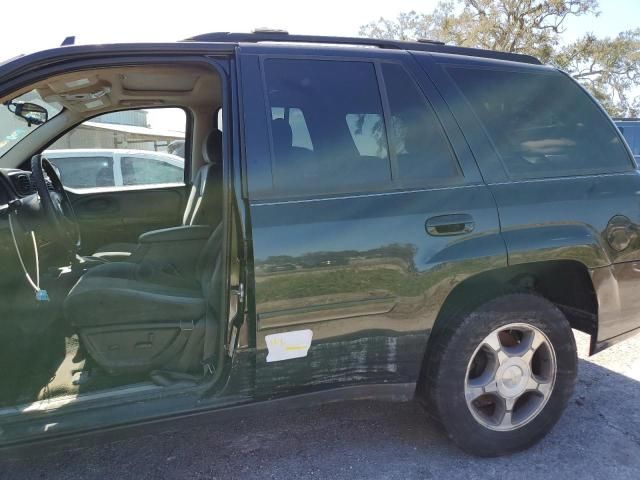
{"points": [[286, 345]]}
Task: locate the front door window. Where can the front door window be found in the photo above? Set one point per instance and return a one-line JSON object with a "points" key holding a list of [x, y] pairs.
{"points": [[123, 149]]}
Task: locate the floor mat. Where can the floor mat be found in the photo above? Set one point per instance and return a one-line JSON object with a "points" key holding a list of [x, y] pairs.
{"points": [[73, 375]]}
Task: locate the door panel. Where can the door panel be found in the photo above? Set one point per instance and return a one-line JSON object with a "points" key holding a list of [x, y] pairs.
{"points": [[365, 277], [358, 269], [122, 215]]}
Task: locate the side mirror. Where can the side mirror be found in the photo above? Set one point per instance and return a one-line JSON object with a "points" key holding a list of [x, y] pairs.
{"points": [[33, 113]]}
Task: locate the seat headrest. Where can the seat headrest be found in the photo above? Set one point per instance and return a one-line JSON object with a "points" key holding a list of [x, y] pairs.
{"points": [[282, 134], [212, 148]]}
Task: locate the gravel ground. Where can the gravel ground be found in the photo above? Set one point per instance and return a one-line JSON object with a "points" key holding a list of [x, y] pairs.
{"points": [[598, 437]]}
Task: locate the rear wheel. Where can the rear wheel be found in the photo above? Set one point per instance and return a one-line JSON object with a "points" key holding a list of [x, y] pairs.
{"points": [[499, 375]]}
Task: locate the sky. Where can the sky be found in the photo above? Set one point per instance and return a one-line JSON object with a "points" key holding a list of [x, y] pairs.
{"points": [[144, 20]]}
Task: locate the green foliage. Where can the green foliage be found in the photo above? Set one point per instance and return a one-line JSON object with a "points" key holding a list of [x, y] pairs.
{"points": [[609, 68]]}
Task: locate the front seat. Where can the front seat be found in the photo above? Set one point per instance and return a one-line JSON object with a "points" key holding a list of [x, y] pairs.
{"points": [[294, 165], [203, 203], [132, 322]]}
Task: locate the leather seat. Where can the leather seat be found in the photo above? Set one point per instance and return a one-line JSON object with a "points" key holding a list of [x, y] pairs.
{"points": [[295, 165], [132, 320], [119, 293], [203, 204]]}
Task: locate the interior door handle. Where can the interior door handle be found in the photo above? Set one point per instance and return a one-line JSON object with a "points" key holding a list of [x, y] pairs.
{"points": [[444, 225]]}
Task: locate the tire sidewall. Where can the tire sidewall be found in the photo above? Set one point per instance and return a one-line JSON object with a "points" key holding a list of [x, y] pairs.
{"points": [[451, 404]]}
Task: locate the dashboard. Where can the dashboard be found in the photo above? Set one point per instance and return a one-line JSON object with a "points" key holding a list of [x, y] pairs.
{"points": [[15, 184], [9, 186], [18, 308], [20, 184]]}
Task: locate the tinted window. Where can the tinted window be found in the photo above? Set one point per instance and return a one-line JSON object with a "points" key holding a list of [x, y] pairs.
{"points": [[85, 172], [333, 139], [299, 130], [367, 133], [416, 135], [542, 124], [147, 171]]}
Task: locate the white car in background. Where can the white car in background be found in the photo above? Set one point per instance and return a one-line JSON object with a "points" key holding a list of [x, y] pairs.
{"points": [[95, 168]]}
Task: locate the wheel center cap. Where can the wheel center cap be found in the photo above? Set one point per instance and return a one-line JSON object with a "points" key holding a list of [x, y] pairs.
{"points": [[513, 377]]}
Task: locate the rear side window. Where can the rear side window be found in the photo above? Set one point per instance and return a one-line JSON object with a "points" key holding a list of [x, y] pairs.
{"points": [[542, 124], [423, 152], [299, 131], [149, 171], [85, 172], [327, 128]]}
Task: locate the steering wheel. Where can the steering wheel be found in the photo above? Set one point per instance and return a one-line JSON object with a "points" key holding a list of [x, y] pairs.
{"points": [[56, 204]]}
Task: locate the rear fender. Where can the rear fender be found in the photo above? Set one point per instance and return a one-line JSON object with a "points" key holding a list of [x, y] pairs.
{"points": [[556, 242]]}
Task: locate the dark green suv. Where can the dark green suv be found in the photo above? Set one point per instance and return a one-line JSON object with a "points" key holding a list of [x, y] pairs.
{"points": [[358, 219]]}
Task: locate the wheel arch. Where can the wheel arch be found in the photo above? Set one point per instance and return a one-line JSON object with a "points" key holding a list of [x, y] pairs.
{"points": [[548, 279]]}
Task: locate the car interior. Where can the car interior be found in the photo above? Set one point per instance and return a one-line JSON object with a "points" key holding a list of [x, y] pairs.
{"points": [[106, 288]]}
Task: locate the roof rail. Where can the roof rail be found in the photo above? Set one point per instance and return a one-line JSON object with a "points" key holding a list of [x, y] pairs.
{"points": [[419, 45], [626, 119]]}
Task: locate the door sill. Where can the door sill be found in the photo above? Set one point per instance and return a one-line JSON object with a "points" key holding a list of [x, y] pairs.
{"points": [[50, 404]]}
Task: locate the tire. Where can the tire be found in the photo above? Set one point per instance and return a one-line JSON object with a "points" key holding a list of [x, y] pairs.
{"points": [[464, 355]]}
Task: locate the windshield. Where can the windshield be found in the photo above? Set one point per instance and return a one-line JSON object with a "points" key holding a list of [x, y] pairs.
{"points": [[13, 128]]}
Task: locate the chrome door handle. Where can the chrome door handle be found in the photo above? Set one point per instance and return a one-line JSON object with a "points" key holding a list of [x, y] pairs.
{"points": [[444, 225]]}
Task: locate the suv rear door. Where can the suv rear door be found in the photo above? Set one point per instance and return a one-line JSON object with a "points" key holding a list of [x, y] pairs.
{"points": [[357, 238]]}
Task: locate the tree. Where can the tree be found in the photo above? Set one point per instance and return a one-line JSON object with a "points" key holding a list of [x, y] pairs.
{"points": [[609, 68]]}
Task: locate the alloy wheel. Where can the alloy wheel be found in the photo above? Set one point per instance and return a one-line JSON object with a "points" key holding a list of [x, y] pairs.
{"points": [[510, 377]]}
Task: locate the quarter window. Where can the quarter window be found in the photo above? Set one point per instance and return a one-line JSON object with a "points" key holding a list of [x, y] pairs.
{"points": [[150, 171], [85, 172], [542, 124], [416, 136]]}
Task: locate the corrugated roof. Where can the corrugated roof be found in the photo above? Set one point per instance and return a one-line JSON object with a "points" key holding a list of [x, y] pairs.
{"points": [[132, 129]]}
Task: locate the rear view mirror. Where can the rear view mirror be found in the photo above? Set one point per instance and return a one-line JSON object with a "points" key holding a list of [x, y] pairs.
{"points": [[33, 113]]}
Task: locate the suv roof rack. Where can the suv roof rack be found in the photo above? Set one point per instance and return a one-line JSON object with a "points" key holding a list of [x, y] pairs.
{"points": [[424, 45]]}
